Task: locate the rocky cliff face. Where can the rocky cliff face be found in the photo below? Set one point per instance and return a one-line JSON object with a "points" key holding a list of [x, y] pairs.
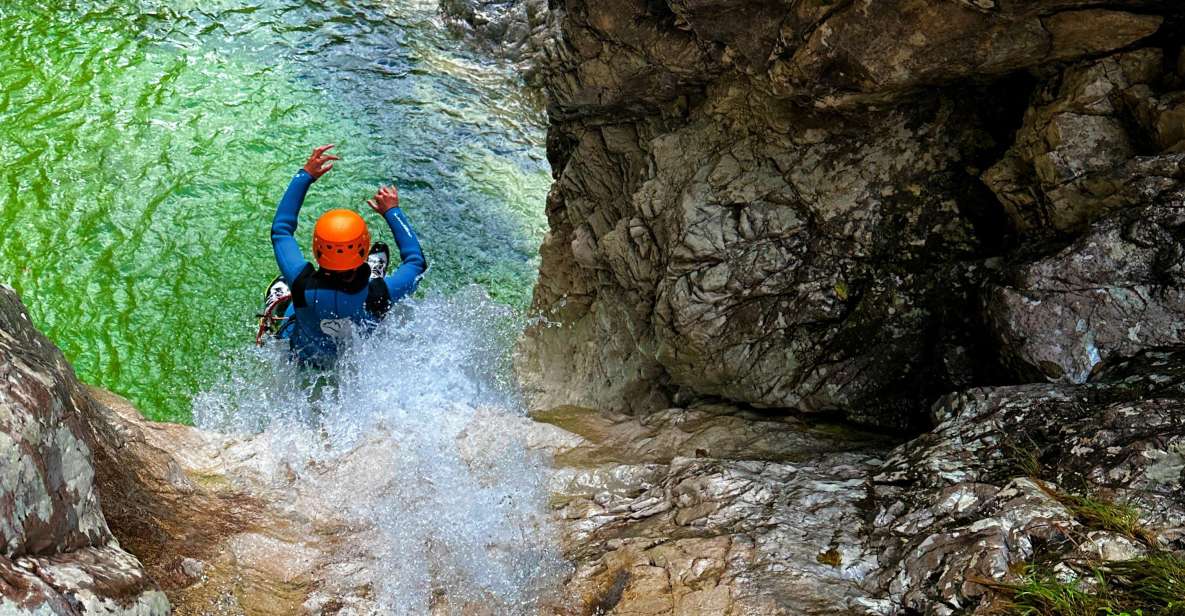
{"points": [[799, 204], [959, 219], [57, 554]]}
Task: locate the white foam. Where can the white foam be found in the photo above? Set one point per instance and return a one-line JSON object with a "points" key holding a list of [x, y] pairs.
{"points": [[424, 424]]}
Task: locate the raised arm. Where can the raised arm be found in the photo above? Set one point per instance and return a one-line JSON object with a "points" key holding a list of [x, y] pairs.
{"points": [[288, 255], [403, 281]]}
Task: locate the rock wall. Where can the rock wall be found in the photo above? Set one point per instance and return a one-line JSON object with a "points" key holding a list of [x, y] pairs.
{"points": [[57, 554], [800, 204], [957, 219], [86, 482]]}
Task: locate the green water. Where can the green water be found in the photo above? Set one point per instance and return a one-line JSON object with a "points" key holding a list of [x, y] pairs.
{"points": [[143, 146]]}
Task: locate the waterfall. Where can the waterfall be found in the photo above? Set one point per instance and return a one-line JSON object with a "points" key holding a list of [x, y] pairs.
{"points": [[424, 430]]}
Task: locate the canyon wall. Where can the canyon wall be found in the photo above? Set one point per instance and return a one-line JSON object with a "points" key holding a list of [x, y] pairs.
{"points": [[848, 207], [956, 220], [57, 553]]}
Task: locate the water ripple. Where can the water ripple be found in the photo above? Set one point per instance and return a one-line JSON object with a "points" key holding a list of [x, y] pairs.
{"points": [[146, 142]]}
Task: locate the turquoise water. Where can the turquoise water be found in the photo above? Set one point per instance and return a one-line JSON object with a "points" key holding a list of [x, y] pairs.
{"points": [[146, 143]]}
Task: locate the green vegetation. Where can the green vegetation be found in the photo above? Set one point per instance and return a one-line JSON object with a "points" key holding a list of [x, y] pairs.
{"points": [[1025, 457], [1153, 585], [1102, 514], [1149, 586]]}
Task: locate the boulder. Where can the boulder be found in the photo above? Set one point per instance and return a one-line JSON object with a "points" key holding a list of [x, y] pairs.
{"points": [[57, 554], [1116, 291], [1100, 136]]}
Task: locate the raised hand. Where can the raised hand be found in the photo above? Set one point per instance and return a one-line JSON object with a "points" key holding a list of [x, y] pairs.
{"points": [[386, 199], [320, 163]]}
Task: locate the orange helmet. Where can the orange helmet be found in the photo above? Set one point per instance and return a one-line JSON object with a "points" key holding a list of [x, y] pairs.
{"points": [[341, 241]]}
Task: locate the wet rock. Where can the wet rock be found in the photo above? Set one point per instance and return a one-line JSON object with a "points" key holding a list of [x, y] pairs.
{"points": [[785, 262], [784, 203], [961, 507], [266, 527], [867, 50], [57, 554], [1114, 292], [712, 510], [241, 532], [1100, 136]]}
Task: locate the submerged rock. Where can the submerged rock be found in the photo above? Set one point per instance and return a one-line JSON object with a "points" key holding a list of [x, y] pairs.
{"points": [[514, 30]]}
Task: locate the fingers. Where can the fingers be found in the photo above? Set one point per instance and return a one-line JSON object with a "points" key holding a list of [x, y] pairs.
{"points": [[326, 168], [323, 149], [330, 157], [374, 206]]}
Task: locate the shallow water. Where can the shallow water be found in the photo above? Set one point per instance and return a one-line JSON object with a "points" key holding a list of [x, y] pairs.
{"points": [[145, 144]]}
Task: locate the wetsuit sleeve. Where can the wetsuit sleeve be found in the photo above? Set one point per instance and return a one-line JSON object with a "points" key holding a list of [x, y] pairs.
{"points": [[288, 255], [403, 281]]}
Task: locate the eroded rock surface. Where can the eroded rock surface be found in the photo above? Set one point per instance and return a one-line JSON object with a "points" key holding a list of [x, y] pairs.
{"points": [[1100, 136], [733, 218], [1117, 290], [860, 207], [57, 554], [714, 511], [964, 505]]}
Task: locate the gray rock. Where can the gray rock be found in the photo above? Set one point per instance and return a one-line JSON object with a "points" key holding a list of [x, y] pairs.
{"points": [[57, 555], [971, 499], [1116, 291], [519, 31], [797, 261], [873, 50], [715, 235], [1100, 136], [714, 511]]}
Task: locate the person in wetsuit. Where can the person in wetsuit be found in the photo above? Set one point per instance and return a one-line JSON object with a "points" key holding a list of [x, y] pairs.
{"points": [[329, 301]]}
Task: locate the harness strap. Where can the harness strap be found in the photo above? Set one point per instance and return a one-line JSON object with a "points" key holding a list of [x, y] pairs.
{"points": [[378, 297], [269, 317]]}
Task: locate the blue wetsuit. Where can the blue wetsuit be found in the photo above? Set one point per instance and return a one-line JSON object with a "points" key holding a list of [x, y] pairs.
{"points": [[328, 306]]}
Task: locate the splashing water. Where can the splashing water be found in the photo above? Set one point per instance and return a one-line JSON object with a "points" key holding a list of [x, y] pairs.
{"points": [[427, 435], [146, 143]]}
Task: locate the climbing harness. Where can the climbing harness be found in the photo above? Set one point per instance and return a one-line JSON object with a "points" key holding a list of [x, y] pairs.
{"points": [[269, 321]]}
